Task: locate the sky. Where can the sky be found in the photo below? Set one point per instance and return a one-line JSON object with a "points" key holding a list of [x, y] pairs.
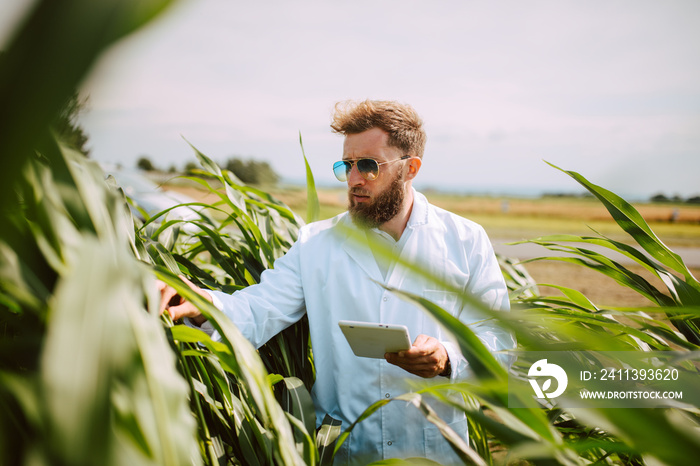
{"points": [[607, 89]]}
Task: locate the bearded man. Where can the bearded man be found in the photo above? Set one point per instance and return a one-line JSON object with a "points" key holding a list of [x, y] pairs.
{"points": [[339, 269]]}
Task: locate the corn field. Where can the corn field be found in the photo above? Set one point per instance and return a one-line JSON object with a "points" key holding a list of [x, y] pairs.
{"points": [[91, 374]]}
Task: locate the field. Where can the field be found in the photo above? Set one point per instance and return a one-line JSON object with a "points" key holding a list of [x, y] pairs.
{"points": [[515, 219], [88, 369]]}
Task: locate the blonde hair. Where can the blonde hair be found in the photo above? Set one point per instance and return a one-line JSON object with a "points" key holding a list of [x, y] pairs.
{"points": [[399, 121]]}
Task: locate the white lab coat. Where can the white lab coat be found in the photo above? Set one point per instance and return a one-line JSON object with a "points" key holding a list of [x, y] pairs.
{"points": [[333, 277]]}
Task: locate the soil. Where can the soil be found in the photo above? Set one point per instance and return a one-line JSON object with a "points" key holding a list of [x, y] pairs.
{"points": [[600, 289]]}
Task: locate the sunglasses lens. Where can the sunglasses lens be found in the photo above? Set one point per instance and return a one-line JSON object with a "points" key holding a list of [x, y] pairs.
{"points": [[368, 168], [341, 169]]}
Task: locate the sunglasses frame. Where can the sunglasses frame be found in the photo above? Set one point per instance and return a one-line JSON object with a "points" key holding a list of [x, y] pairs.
{"points": [[366, 175]]}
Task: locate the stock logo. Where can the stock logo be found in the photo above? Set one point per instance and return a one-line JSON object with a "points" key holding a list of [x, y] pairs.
{"points": [[543, 369]]}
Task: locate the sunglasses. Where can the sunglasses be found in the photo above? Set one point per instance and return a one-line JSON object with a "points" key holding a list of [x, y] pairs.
{"points": [[368, 168]]}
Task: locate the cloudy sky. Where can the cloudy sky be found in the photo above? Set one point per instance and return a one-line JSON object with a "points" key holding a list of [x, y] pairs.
{"points": [[608, 89]]}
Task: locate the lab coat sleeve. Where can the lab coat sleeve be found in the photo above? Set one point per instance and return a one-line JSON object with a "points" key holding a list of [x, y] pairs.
{"points": [[262, 310], [486, 283]]}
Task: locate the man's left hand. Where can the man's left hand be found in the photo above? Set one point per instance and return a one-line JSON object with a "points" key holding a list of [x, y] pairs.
{"points": [[426, 358]]}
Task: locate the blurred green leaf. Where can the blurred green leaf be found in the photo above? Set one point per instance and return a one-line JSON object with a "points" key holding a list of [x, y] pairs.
{"points": [[313, 208], [102, 346], [61, 40]]}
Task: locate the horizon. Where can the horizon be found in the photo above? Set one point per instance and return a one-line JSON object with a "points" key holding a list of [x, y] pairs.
{"points": [[491, 192]]}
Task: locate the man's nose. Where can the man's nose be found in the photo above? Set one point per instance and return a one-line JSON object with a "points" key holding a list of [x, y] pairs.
{"points": [[354, 177]]}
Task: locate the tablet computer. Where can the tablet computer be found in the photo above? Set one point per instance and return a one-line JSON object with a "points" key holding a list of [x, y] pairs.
{"points": [[372, 340]]}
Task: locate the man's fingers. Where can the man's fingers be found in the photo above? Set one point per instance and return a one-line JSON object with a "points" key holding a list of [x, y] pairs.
{"points": [[426, 358], [421, 340], [422, 346], [416, 361], [422, 370], [168, 297], [189, 283], [186, 309], [176, 305]]}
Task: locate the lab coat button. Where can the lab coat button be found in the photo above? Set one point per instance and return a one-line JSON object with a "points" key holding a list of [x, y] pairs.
{"points": [[386, 299], [389, 443], [386, 395]]}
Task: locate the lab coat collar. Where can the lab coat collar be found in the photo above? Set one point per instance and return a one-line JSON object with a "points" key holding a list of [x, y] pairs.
{"points": [[419, 213], [356, 243]]}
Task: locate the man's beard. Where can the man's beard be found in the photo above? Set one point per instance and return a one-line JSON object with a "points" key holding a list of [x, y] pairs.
{"points": [[374, 213]]}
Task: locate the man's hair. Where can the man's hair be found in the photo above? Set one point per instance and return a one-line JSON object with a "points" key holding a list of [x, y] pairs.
{"points": [[399, 121]]}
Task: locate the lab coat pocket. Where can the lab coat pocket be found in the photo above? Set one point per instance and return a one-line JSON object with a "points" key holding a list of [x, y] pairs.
{"points": [[437, 448]]}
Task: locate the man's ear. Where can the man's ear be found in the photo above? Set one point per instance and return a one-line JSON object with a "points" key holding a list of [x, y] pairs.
{"points": [[413, 167]]}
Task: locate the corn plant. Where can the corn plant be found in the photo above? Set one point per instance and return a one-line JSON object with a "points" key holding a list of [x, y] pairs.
{"points": [[682, 289], [90, 373], [572, 322], [245, 415], [87, 374], [86, 369]]}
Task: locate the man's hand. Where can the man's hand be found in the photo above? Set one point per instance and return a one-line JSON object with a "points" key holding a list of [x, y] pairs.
{"points": [[426, 358], [177, 306]]}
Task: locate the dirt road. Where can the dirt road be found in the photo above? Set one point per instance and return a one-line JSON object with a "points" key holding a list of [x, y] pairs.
{"points": [[600, 289], [691, 256]]}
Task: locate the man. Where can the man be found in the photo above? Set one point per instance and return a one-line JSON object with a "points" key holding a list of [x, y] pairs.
{"points": [[332, 275]]}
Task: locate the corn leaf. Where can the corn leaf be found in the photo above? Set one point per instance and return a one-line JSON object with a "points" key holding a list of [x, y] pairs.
{"points": [[313, 208], [633, 223]]}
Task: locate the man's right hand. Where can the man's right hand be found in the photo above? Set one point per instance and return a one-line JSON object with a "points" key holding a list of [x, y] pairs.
{"points": [[177, 306]]}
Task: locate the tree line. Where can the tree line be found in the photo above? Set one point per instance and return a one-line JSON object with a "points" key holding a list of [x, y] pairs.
{"points": [[67, 128], [662, 198], [249, 171]]}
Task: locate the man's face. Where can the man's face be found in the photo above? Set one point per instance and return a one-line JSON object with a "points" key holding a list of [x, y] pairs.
{"points": [[373, 203]]}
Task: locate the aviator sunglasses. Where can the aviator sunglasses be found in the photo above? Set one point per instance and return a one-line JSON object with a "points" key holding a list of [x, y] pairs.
{"points": [[368, 168]]}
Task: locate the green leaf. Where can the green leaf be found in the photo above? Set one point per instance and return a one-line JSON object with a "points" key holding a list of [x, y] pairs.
{"points": [[326, 438], [576, 297], [633, 223], [207, 163], [101, 339], [620, 274], [481, 360], [313, 208], [300, 405], [458, 444], [365, 414], [236, 354], [62, 41]]}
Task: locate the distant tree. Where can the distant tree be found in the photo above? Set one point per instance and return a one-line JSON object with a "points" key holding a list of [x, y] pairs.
{"points": [[252, 171], [566, 195], [66, 124], [240, 169], [693, 200], [144, 163], [190, 167], [659, 198]]}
